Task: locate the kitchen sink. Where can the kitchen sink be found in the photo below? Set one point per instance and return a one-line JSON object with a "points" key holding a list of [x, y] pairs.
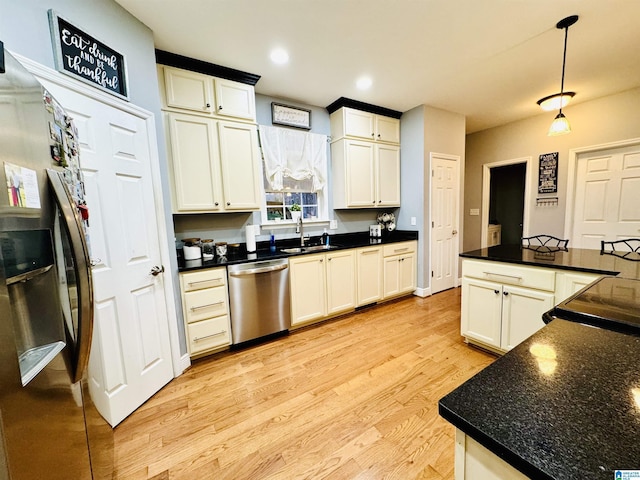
{"points": [[314, 248]]}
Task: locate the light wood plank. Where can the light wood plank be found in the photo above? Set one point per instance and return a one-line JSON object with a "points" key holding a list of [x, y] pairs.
{"points": [[354, 397]]}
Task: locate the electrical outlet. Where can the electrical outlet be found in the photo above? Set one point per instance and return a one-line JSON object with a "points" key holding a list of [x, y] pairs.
{"points": [[413, 221], [333, 224], [474, 211]]}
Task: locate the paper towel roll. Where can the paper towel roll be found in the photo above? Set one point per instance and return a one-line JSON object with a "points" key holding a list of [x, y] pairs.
{"points": [[251, 238]]}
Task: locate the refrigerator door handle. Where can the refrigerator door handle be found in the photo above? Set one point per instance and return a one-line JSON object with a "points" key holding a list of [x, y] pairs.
{"points": [[80, 252]]}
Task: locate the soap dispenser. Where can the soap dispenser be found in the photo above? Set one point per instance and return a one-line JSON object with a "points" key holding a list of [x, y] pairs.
{"points": [[325, 238]]}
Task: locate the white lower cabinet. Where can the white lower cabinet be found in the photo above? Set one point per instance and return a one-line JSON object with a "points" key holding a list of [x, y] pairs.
{"points": [[500, 311], [205, 304], [473, 462], [570, 282], [322, 285], [399, 269], [370, 276]]}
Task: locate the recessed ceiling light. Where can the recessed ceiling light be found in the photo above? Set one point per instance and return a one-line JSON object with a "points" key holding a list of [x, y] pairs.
{"points": [[279, 56], [364, 82]]}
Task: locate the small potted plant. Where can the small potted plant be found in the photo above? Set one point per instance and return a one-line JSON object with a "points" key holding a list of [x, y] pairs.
{"points": [[295, 211]]}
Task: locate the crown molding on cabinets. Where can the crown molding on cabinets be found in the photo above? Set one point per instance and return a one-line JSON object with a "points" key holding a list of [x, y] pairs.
{"points": [[187, 63]]}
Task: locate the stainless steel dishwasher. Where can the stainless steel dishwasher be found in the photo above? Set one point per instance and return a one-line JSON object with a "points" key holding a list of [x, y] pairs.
{"points": [[259, 299]]}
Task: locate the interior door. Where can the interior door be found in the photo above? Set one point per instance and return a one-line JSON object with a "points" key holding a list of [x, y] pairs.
{"points": [[131, 355], [444, 222], [607, 197]]}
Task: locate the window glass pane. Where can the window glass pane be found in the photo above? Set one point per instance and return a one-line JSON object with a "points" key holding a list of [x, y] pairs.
{"points": [[291, 198], [274, 198], [310, 212], [275, 213], [310, 198]]}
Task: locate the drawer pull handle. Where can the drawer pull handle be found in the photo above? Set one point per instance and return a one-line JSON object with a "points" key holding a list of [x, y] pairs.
{"points": [[221, 302], [503, 275], [197, 339], [219, 280]]}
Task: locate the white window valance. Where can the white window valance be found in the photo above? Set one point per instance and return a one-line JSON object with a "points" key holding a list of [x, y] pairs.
{"points": [[293, 154]]}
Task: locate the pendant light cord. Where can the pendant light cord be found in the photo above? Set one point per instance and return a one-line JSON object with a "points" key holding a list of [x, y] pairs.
{"points": [[564, 59]]}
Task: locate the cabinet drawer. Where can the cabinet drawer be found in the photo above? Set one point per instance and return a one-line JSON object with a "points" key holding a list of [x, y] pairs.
{"points": [[207, 303], [208, 334], [509, 274], [204, 279], [399, 248]]}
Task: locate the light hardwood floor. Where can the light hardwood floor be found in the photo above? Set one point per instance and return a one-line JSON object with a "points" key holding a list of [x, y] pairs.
{"points": [[353, 398]]}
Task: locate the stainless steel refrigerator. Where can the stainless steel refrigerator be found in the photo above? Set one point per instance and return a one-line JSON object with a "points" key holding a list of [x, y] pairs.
{"points": [[49, 427]]}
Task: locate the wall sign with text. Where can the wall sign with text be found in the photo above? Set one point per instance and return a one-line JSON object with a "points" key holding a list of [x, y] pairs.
{"points": [[82, 56], [548, 173], [290, 116]]}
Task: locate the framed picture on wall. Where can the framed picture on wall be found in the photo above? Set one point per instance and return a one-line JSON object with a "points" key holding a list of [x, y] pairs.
{"points": [[548, 173], [290, 116]]}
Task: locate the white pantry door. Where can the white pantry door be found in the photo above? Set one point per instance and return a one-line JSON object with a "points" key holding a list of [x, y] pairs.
{"points": [[131, 355], [607, 200], [444, 221]]}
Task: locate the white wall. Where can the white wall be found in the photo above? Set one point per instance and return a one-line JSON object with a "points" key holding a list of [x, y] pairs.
{"points": [[425, 130], [608, 119]]}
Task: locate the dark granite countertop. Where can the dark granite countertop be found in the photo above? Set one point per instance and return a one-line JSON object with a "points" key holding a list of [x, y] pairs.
{"points": [[342, 241], [577, 259], [564, 404]]}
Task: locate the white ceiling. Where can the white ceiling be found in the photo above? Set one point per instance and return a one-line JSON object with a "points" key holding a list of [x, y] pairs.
{"points": [[487, 59]]}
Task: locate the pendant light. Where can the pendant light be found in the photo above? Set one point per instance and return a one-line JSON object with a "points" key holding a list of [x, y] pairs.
{"points": [[560, 124]]}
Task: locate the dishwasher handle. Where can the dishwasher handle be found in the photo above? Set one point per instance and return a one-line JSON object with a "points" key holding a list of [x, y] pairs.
{"points": [[255, 271]]}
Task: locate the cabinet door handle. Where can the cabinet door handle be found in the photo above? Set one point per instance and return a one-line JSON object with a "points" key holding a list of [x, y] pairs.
{"points": [[321, 260], [216, 204], [220, 107], [496, 291], [228, 204], [373, 135], [221, 332], [503, 275], [505, 293], [208, 105], [193, 309], [205, 281]]}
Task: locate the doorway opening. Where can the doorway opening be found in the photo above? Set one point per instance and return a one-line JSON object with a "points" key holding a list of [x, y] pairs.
{"points": [[505, 203]]}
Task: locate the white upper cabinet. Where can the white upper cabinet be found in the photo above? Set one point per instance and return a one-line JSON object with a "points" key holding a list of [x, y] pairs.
{"points": [[349, 122], [215, 165], [185, 90], [240, 165], [235, 99]]}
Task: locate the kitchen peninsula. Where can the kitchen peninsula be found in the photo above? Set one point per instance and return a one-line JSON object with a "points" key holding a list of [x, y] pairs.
{"points": [[507, 288], [565, 402]]}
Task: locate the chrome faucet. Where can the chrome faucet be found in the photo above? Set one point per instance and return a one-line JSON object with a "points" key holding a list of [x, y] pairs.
{"points": [[300, 230]]}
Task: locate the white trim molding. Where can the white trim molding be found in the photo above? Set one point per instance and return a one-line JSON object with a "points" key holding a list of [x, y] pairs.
{"points": [[44, 73], [572, 172], [486, 188]]}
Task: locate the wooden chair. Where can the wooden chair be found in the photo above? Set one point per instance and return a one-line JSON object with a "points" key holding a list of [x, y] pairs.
{"points": [[627, 248], [545, 243]]}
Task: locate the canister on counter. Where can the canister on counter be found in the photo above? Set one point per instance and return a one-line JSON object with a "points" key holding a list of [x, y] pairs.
{"points": [[221, 249], [208, 249], [192, 248]]}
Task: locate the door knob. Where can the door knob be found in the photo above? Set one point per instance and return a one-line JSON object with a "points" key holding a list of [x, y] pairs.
{"points": [[454, 232], [157, 270]]}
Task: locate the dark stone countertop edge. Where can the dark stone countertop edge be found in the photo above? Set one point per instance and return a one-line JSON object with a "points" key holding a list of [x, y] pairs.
{"points": [[480, 255], [488, 442], [337, 242]]}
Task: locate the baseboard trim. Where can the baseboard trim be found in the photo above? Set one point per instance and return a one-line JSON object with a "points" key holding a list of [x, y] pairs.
{"points": [[422, 292]]}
